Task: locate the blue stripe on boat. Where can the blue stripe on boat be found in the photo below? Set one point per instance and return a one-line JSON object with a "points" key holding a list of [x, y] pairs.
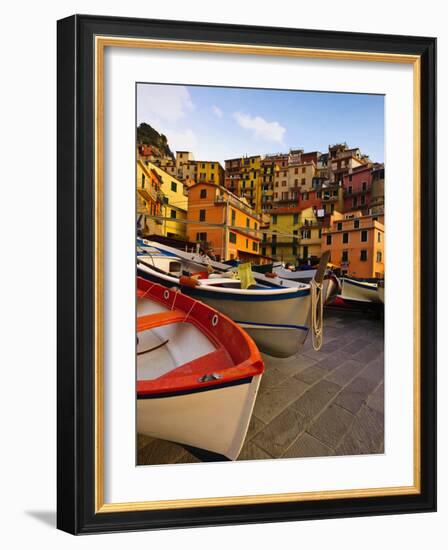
{"points": [[298, 327]]}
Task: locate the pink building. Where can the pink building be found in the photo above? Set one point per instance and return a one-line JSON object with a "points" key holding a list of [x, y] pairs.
{"points": [[357, 189]]}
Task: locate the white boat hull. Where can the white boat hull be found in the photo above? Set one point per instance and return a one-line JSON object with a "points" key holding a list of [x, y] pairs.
{"points": [[358, 291], [216, 420]]}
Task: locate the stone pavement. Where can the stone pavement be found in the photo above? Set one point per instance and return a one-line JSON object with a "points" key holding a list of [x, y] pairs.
{"points": [[329, 402]]}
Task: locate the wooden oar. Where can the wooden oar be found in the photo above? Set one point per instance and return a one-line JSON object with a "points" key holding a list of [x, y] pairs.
{"points": [[322, 268]]}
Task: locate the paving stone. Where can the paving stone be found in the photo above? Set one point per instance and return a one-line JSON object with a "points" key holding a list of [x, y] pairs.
{"points": [[187, 458], [311, 374], [376, 399], [255, 426], [335, 344], [250, 451], [356, 345], [355, 394], [367, 354], [143, 440], [307, 446], [315, 399], [333, 360], [374, 371], [366, 435], [345, 372], [272, 401], [331, 426], [160, 451], [272, 377], [277, 436]]}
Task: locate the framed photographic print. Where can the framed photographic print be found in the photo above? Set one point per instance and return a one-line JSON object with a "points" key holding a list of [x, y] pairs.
{"points": [[246, 274]]}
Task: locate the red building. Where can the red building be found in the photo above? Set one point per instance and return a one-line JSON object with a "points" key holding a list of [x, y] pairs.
{"points": [[357, 189]]}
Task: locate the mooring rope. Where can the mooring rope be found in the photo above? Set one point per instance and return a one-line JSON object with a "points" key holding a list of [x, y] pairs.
{"points": [[317, 314]]}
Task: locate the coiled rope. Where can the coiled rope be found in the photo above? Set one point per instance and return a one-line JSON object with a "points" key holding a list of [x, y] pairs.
{"points": [[317, 314]]}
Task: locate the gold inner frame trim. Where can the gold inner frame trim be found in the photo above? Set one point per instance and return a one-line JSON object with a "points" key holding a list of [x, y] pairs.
{"points": [[101, 42]]}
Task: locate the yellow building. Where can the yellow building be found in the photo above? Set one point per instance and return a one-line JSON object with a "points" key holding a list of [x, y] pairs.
{"points": [[251, 181], [175, 204], [298, 237], [149, 200], [209, 172]]}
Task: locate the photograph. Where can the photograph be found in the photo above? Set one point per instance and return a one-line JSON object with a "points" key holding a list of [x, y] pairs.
{"points": [[260, 273]]}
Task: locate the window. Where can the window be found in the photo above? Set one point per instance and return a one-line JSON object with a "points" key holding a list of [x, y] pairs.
{"points": [[363, 199], [355, 202], [213, 166], [173, 214], [363, 256], [202, 215], [203, 165], [364, 186], [203, 194], [303, 170], [303, 181], [255, 226], [379, 257], [233, 217], [201, 237], [274, 250], [143, 181], [306, 233], [247, 222], [339, 226], [345, 238], [350, 177], [379, 237], [247, 243], [350, 189], [319, 194], [295, 219], [283, 183], [356, 224], [344, 256], [263, 251], [232, 237], [274, 219], [363, 236], [255, 246], [173, 186], [212, 176]]}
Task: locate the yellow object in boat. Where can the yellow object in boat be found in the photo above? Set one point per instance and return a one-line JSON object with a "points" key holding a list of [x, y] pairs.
{"points": [[245, 275]]}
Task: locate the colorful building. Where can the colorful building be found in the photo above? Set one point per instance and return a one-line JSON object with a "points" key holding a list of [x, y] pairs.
{"points": [[175, 203], [294, 235], [149, 200], [227, 227], [357, 189], [209, 172], [356, 244]]}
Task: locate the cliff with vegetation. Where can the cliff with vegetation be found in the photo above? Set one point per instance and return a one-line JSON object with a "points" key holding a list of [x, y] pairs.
{"points": [[147, 135]]}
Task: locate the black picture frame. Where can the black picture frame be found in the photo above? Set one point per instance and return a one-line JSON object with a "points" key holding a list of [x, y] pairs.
{"points": [[76, 271]]}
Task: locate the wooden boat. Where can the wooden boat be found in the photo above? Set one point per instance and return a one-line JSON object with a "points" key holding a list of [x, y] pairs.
{"points": [[198, 373], [355, 290], [275, 312]]}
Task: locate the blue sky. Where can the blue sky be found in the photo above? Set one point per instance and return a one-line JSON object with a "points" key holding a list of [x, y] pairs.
{"points": [[222, 123]]}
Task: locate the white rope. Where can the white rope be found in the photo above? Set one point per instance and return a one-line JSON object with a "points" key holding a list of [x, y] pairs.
{"points": [[317, 314]]}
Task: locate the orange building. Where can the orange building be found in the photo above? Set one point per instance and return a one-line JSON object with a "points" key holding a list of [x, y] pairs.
{"points": [[356, 244], [238, 233]]}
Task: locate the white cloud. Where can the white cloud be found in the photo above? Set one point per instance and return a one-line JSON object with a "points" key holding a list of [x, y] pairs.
{"points": [[261, 128], [156, 102], [217, 111], [182, 140]]}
